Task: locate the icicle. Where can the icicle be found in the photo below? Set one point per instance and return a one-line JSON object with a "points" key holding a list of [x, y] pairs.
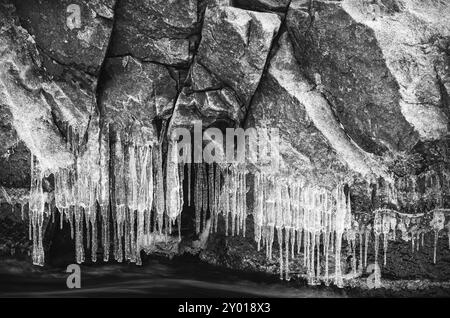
{"points": [[436, 236], [326, 251], [233, 191], [385, 247], [292, 242], [88, 234], [366, 246], [342, 209], [120, 200], [377, 240], [104, 188], [338, 272], [312, 269], [36, 211], [360, 242], [159, 188], [306, 250], [226, 196], [179, 227], [174, 194], [189, 176], [437, 223], [318, 254], [211, 193], [258, 211], [94, 246], [205, 203], [244, 201], [61, 218], [286, 244], [280, 247], [217, 192], [271, 239], [198, 196], [79, 248]]}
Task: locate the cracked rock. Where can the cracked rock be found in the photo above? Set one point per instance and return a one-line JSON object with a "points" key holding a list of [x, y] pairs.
{"points": [[156, 30]]}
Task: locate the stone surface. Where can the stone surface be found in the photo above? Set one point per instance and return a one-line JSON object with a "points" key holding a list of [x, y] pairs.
{"points": [[212, 108], [263, 5], [21, 85], [413, 46], [312, 139], [80, 45], [235, 45], [15, 167], [155, 30], [7, 133], [135, 94], [304, 149], [350, 63]]}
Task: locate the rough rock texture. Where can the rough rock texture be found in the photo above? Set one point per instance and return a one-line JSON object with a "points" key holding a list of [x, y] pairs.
{"points": [[82, 46], [155, 30], [347, 52], [135, 93], [358, 89], [229, 64], [263, 5], [235, 45], [305, 150], [22, 91]]}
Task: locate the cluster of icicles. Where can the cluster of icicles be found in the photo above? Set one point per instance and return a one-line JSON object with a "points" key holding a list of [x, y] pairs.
{"points": [[412, 227], [137, 197], [302, 215], [131, 188], [410, 191], [133, 199]]}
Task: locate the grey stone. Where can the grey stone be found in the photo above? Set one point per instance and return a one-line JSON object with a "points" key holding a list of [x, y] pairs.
{"points": [[155, 30], [83, 46], [235, 45]]}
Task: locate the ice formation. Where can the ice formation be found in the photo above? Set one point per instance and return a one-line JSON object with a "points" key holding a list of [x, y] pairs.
{"points": [[122, 186], [126, 188], [220, 189], [301, 215]]}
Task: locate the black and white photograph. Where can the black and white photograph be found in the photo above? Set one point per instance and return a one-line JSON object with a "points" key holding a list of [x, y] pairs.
{"points": [[224, 153]]}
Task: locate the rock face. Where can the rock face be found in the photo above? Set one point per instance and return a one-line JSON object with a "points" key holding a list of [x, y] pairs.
{"points": [[274, 106], [347, 47], [156, 30], [92, 92], [135, 93], [228, 68], [235, 45], [263, 5], [72, 33], [21, 92]]}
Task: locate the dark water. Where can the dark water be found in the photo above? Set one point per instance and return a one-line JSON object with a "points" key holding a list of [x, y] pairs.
{"points": [[156, 278]]}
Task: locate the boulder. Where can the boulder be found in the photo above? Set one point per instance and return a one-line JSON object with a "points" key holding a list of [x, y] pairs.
{"points": [[72, 33], [155, 30], [367, 66], [135, 94], [235, 46]]}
